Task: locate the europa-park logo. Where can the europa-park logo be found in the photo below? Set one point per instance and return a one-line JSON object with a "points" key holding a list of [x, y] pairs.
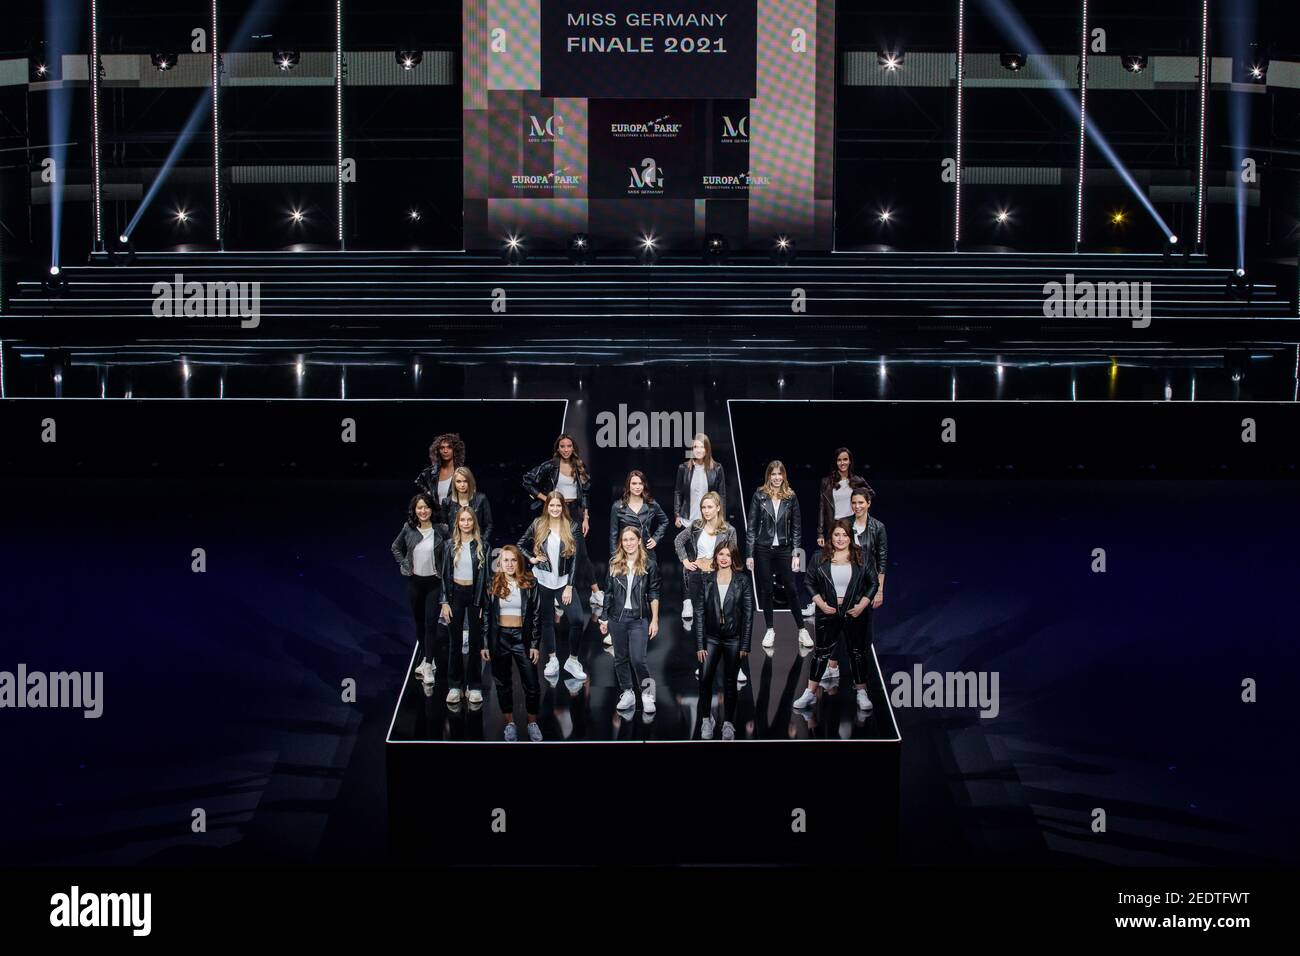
{"points": [[556, 179], [658, 128]]}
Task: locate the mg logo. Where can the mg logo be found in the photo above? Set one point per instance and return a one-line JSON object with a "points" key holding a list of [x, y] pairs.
{"points": [[552, 128], [735, 131], [649, 176]]}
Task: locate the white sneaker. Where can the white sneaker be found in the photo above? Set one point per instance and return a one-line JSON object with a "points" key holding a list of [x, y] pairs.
{"points": [[864, 702], [597, 598], [805, 639], [431, 673], [534, 732], [728, 730], [552, 668], [831, 676], [810, 610], [706, 728], [806, 699], [421, 669], [475, 696], [573, 666], [688, 610], [453, 696], [741, 677], [626, 701], [769, 637], [647, 702]]}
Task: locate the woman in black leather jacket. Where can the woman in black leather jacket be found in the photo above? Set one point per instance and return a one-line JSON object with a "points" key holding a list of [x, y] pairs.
{"points": [[631, 614], [836, 489], [638, 509], [773, 534], [563, 471], [465, 574], [696, 478], [554, 547], [512, 638], [418, 550], [696, 546], [446, 454], [465, 494], [722, 629], [842, 591]]}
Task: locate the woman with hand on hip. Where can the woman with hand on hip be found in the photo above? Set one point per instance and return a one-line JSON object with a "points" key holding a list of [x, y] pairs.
{"points": [[696, 545], [637, 509], [465, 575], [696, 477], [722, 632], [773, 536], [418, 550], [553, 545], [631, 615], [512, 639], [842, 591]]}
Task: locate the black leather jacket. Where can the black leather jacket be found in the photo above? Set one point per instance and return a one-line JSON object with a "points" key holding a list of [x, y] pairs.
{"points": [[826, 508], [532, 601], [482, 511], [542, 480], [687, 540], [645, 588], [716, 479], [735, 616], [652, 520], [567, 562], [861, 584], [761, 524], [482, 571], [875, 545], [427, 482], [404, 546]]}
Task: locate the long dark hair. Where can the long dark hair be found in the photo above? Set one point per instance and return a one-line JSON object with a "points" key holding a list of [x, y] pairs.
{"points": [[429, 500], [457, 449], [834, 476], [645, 487], [579, 469], [855, 549]]}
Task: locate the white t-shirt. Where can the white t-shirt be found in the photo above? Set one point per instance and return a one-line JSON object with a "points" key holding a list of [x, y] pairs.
{"points": [[566, 485], [464, 570], [699, 488], [631, 576], [706, 545], [841, 574], [776, 522], [842, 494], [550, 578], [444, 488], [722, 593], [422, 556], [858, 528]]}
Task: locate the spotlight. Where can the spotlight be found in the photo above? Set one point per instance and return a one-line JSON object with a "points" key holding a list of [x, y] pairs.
{"points": [[1002, 216], [886, 216], [580, 248], [1118, 218], [1251, 66], [163, 61], [512, 250], [715, 247], [1134, 63], [890, 61], [1240, 273], [409, 59], [286, 60], [182, 216], [56, 283], [40, 71], [413, 215], [123, 251], [648, 247], [297, 217], [1258, 71], [783, 250], [1173, 240], [55, 271], [1014, 62]]}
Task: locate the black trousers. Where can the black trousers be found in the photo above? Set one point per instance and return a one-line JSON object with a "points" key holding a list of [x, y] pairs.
{"points": [[776, 563], [513, 649], [584, 570], [840, 631], [726, 649], [425, 594], [693, 588], [858, 635], [572, 613], [464, 610]]}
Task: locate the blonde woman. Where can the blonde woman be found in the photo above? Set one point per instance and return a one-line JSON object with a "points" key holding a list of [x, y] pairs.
{"points": [[512, 639], [553, 545], [465, 575], [465, 494], [697, 476], [696, 545], [631, 614], [773, 535]]}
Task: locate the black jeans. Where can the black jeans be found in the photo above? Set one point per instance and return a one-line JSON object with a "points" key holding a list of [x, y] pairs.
{"points": [[511, 647], [463, 610], [425, 594], [584, 571], [840, 631], [693, 588], [631, 634], [858, 634], [572, 612], [776, 562], [728, 650]]}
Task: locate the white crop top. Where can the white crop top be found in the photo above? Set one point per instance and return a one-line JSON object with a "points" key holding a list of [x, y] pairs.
{"points": [[512, 605]]}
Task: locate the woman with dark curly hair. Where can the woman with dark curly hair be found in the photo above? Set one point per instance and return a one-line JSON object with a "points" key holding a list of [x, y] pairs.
{"points": [[446, 454], [418, 550]]}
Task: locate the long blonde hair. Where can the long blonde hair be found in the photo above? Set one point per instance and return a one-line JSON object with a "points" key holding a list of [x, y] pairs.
{"points": [[542, 528], [458, 537], [707, 461], [722, 518], [767, 489], [618, 563], [469, 480]]}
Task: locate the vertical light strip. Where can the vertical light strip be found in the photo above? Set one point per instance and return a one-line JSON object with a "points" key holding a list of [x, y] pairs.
{"points": [[1200, 157], [2, 370], [216, 129], [1083, 127], [94, 122], [338, 105], [961, 66]]}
